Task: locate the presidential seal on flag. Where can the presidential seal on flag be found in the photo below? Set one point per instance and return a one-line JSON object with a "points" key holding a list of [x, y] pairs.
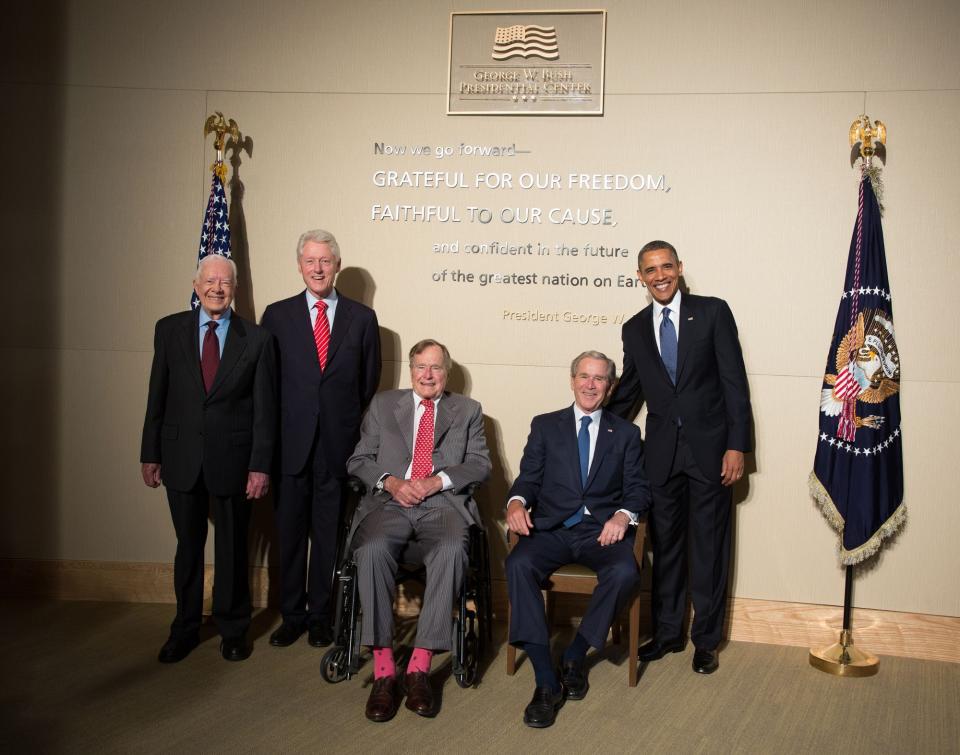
{"points": [[867, 371]]}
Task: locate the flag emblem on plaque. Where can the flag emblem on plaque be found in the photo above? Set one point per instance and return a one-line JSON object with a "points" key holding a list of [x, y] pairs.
{"points": [[526, 41]]}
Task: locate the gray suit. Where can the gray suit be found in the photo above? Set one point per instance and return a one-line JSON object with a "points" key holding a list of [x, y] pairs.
{"points": [[382, 528]]}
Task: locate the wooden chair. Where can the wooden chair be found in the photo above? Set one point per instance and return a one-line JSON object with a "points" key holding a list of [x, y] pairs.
{"points": [[580, 580]]}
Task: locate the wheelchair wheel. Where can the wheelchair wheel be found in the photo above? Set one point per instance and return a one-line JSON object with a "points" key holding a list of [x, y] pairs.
{"points": [[470, 662], [333, 665]]}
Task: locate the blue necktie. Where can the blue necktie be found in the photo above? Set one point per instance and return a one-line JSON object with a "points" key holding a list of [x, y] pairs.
{"points": [[668, 345], [583, 445]]}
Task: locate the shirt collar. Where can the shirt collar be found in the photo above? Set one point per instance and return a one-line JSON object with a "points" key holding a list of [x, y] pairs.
{"points": [[417, 399], [579, 414], [312, 300], [673, 306], [205, 318]]}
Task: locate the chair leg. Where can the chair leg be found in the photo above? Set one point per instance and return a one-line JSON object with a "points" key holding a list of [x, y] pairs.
{"points": [[633, 642], [511, 650]]}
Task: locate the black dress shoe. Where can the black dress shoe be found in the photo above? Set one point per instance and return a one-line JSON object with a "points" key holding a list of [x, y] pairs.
{"points": [[419, 694], [286, 634], [235, 649], [655, 650], [384, 699], [176, 649], [574, 679], [542, 710], [705, 661], [320, 635]]}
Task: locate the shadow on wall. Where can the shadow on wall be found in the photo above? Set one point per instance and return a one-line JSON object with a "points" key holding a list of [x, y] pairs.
{"points": [[239, 243], [262, 542], [356, 283], [31, 208], [31, 151], [492, 495]]}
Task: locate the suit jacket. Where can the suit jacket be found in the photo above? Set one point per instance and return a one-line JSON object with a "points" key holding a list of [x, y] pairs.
{"points": [[223, 434], [549, 479], [326, 406], [386, 447], [711, 397]]}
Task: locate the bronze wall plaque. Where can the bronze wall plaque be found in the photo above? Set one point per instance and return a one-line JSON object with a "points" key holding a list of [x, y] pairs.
{"points": [[526, 62]]}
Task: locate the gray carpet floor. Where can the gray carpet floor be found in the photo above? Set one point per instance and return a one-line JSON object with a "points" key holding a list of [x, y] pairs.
{"points": [[83, 677]]}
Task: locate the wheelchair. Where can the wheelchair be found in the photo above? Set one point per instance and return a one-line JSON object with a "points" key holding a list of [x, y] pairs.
{"points": [[471, 618]]}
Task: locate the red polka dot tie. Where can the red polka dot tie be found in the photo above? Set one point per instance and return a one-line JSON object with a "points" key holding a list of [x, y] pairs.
{"points": [[423, 448]]}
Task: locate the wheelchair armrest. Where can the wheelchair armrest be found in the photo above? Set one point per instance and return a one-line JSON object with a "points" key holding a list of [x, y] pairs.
{"points": [[356, 485], [359, 487]]}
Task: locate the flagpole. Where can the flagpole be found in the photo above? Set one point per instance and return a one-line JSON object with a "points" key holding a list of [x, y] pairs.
{"points": [[842, 658], [215, 230]]}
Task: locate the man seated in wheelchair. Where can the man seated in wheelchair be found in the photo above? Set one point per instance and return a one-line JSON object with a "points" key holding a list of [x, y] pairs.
{"points": [[420, 451], [581, 486]]}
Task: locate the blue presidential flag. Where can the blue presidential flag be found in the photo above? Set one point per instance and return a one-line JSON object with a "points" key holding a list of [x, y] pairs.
{"points": [[857, 476], [215, 231]]}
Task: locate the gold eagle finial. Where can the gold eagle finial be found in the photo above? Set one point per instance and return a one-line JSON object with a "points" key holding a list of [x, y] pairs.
{"points": [[867, 141], [217, 124]]}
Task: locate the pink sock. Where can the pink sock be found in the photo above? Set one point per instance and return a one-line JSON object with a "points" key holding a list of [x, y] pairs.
{"points": [[420, 661], [383, 664]]}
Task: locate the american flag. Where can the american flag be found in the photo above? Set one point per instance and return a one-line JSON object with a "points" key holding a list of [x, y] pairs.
{"points": [[857, 476], [215, 231], [526, 41]]}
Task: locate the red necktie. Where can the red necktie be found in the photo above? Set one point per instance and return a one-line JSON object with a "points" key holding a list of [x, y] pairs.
{"points": [[210, 355], [321, 333], [423, 448]]}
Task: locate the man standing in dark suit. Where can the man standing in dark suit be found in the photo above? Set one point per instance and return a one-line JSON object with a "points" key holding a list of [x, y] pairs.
{"points": [[581, 485], [209, 437], [682, 356], [329, 370]]}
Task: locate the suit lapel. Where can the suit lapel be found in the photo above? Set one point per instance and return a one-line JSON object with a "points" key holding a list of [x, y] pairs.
{"points": [[447, 411], [604, 442], [300, 316], [234, 347], [567, 438], [189, 340], [690, 326], [341, 324], [646, 332], [403, 413]]}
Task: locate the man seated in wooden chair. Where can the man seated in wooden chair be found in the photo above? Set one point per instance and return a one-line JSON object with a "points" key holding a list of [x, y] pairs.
{"points": [[581, 486]]}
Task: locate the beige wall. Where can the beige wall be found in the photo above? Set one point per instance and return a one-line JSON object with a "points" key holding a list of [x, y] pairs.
{"points": [[744, 110]]}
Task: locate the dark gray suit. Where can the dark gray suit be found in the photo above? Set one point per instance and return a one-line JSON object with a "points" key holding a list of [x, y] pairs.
{"points": [[381, 528]]}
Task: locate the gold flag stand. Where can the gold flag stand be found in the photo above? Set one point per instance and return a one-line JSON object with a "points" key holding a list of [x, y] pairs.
{"points": [[842, 658]]}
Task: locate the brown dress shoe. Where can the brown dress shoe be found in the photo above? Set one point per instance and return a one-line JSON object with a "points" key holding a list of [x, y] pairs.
{"points": [[419, 694], [384, 699]]}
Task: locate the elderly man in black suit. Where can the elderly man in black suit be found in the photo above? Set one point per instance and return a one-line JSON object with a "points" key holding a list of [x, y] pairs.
{"points": [[208, 436], [329, 349], [581, 486], [682, 356]]}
